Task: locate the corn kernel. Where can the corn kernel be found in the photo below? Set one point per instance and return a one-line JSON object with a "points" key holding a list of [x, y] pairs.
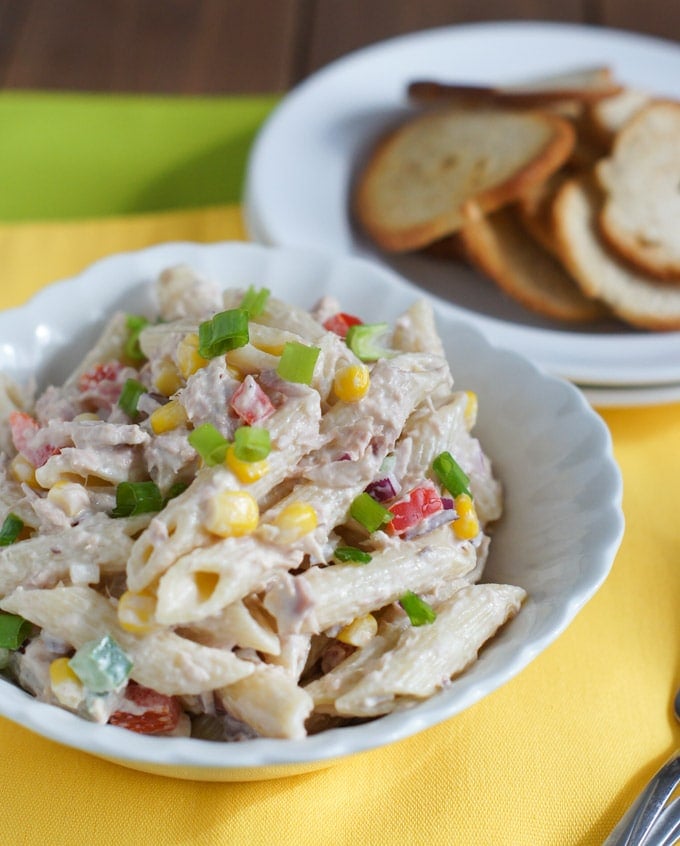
{"points": [[470, 413], [86, 415], [466, 525], [232, 514], [294, 521], [351, 383], [359, 631], [66, 686], [246, 471], [22, 470], [168, 379], [169, 416], [189, 360], [136, 612]]}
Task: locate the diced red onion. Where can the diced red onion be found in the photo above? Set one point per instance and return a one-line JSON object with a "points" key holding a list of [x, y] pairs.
{"points": [[383, 489], [434, 521]]}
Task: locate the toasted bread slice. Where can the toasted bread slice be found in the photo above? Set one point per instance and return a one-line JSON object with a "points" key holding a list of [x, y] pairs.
{"points": [[609, 115], [632, 295], [500, 247], [534, 209], [442, 168], [582, 85], [447, 248], [640, 217]]}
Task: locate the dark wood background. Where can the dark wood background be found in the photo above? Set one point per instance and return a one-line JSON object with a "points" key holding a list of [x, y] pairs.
{"points": [[248, 46]]}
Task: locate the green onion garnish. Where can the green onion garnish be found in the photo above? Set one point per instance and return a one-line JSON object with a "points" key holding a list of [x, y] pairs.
{"points": [[353, 554], [227, 330], [451, 475], [364, 341], [297, 362], [11, 529], [252, 443], [137, 498], [13, 631], [129, 396], [209, 443], [101, 665], [370, 513], [255, 300], [135, 323], [419, 612], [175, 490]]}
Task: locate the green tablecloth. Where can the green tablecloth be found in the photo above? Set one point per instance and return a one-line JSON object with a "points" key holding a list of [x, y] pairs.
{"points": [[83, 155]]}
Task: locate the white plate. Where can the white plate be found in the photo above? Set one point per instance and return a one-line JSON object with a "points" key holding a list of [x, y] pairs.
{"points": [[631, 395], [302, 165], [558, 538]]}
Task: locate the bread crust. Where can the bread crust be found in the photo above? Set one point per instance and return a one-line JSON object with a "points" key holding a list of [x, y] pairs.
{"points": [[637, 298], [501, 248], [396, 173], [640, 216], [587, 86]]}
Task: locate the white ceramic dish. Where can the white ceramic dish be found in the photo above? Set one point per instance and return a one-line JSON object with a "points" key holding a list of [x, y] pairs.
{"points": [[302, 165], [630, 395], [558, 539]]}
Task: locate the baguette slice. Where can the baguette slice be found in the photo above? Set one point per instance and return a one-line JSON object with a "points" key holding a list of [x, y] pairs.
{"points": [[442, 168], [640, 217], [608, 116], [534, 209], [501, 248], [634, 296], [582, 85]]}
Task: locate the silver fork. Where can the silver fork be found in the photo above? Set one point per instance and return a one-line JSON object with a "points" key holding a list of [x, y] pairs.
{"points": [[652, 820]]}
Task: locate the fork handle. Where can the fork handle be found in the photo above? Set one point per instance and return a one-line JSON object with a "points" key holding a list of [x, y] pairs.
{"points": [[640, 818]]}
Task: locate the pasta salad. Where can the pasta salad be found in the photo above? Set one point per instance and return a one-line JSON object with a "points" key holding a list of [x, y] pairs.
{"points": [[238, 518]]}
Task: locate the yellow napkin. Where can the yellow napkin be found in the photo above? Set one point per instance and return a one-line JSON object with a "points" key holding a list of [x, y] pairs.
{"points": [[552, 758]]}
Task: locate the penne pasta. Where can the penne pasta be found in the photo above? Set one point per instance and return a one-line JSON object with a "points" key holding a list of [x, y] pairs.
{"points": [[239, 511]]}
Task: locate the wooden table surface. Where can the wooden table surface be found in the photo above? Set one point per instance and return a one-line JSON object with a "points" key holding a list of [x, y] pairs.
{"points": [[248, 46]]}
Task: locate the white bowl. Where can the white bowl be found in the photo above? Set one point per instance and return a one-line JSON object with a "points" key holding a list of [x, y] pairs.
{"points": [[558, 538]]}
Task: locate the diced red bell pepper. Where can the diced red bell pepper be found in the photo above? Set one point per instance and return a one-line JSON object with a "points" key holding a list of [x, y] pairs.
{"points": [[23, 428], [146, 711], [100, 373], [340, 323], [420, 503], [101, 386], [250, 402]]}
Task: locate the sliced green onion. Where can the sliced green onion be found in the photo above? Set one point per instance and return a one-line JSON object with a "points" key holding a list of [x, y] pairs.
{"points": [[254, 300], [175, 490], [419, 612], [101, 665], [252, 443], [364, 339], [451, 474], [209, 443], [370, 513], [137, 498], [226, 330], [297, 362], [135, 323], [129, 396], [353, 554], [11, 529], [13, 631]]}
